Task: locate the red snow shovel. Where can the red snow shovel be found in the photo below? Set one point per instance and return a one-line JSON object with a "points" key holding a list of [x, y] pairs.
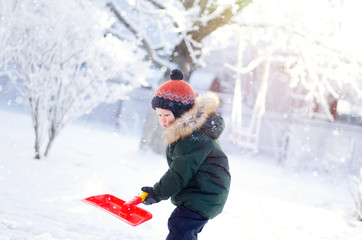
{"points": [[126, 211]]}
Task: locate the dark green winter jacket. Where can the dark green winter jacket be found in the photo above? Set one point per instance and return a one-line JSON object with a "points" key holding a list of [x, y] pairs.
{"points": [[198, 176]]}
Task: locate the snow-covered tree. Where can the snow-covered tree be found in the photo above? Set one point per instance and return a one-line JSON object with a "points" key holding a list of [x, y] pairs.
{"points": [[299, 47], [304, 42], [64, 62], [171, 33], [6, 20]]}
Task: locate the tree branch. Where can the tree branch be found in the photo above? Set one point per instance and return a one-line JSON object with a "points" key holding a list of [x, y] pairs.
{"points": [[224, 18], [156, 4], [151, 54], [317, 42]]}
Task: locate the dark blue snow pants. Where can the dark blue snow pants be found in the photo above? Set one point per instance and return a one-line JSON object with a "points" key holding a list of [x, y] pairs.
{"points": [[185, 224]]}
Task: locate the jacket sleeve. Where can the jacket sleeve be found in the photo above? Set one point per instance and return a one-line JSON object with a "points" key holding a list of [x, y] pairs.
{"points": [[187, 157]]}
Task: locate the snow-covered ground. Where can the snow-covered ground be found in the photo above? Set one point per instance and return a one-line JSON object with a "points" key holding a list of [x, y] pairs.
{"points": [[41, 200]]}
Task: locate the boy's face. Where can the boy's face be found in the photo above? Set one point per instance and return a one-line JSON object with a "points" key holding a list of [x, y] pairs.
{"points": [[165, 117]]}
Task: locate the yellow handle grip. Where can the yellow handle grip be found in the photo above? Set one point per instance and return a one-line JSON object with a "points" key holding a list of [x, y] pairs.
{"points": [[143, 195]]}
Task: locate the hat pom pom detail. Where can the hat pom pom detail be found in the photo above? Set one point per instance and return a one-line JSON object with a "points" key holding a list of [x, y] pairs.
{"points": [[176, 75]]}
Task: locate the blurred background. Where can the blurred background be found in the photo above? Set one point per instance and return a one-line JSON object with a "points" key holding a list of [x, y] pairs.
{"points": [[288, 72]]}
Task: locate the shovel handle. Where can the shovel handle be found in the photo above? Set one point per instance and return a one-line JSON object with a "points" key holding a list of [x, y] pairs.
{"points": [[143, 195], [137, 199]]}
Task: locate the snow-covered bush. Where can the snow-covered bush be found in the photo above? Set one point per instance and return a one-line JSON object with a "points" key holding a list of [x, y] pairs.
{"points": [[356, 192]]}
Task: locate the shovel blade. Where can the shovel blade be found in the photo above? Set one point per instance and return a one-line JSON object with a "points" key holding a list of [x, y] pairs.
{"points": [[130, 214]]}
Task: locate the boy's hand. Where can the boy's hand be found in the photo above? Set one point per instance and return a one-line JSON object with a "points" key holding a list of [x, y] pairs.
{"points": [[151, 197]]}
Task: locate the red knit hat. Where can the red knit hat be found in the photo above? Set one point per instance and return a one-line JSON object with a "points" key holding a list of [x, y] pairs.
{"points": [[174, 95]]}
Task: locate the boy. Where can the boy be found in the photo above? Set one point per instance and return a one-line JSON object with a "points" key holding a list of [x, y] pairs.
{"points": [[198, 178]]}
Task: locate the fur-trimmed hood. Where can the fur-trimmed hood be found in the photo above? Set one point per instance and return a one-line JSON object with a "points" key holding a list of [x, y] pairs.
{"points": [[192, 120]]}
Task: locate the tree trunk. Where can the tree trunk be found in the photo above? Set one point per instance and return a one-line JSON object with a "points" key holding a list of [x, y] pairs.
{"points": [[53, 131], [333, 108], [50, 142], [34, 112], [36, 145], [181, 57]]}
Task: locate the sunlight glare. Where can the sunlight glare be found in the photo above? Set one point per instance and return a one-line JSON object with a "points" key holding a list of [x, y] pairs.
{"points": [[344, 107], [351, 34]]}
